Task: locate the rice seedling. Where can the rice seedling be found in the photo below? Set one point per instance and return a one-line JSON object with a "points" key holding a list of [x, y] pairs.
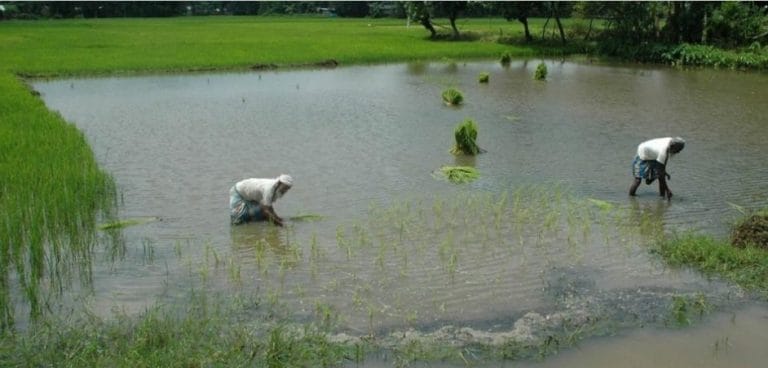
{"points": [[465, 135], [459, 174], [149, 251], [506, 58], [541, 72], [452, 97], [119, 224], [483, 77], [306, 217]]}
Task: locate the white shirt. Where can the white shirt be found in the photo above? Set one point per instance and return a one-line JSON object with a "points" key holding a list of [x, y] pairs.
{"points": [[258, 190], [655, 149]]}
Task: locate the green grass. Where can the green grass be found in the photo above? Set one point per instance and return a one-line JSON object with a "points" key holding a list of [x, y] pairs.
{"points": [[57, 47], [50, 190], [747, 267]]}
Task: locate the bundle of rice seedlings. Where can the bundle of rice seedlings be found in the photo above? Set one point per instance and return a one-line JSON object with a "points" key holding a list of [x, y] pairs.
{"points": [[506, 58], [541, 72], [119, 224], [483, 77], [306, 217], [466, 139], [452, 96], [459, 174]]}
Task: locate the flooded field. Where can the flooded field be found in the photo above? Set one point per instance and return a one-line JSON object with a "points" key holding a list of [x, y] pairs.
{"points": [[546, 239]]}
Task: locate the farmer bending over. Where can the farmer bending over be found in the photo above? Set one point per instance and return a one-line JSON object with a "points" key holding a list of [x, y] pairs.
{"points": [[651, 163], [252, 199]]}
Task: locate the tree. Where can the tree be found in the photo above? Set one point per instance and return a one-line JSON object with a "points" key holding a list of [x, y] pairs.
{"points": [[556, 10], [452, 9], [519, 10], [420, 11]]}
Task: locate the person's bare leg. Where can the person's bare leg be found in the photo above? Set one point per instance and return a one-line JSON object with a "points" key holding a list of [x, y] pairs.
{"points": [[635, 184], [664, 190]]}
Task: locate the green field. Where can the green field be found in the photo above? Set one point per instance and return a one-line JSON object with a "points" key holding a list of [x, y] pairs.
{"points": [[56, 47]]}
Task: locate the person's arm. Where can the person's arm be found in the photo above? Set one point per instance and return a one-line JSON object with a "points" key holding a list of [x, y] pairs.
{"points": [[272, 216]]}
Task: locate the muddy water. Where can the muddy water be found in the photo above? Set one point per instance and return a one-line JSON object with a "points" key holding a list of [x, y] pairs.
{"points": [[397, 247], [728, 340]]}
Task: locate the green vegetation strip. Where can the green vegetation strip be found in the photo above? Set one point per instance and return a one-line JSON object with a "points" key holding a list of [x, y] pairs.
{"points": [[747, 267]]}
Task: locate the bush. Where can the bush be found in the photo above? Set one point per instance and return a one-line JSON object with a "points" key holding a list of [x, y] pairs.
{"points": [[483, 77], [703, 55], [453, 96]]}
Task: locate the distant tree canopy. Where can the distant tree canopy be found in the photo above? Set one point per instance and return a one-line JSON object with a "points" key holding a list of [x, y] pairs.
{"points": [[723, 24]]}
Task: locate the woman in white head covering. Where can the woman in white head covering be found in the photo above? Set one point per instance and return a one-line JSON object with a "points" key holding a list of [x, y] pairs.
{"points": [[252, 199]]}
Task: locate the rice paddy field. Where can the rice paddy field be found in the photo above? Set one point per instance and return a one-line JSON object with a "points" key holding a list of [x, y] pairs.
{"points": [[107, 263]]}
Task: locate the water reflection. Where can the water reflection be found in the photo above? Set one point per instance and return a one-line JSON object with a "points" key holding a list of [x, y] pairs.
{"points": [[648, 216]]}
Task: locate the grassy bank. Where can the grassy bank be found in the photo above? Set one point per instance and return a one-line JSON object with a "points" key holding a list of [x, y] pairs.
{"points": [[747, 267]]}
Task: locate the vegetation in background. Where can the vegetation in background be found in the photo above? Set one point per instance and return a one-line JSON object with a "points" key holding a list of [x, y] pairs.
{"points": [[541, 72], [452, 96], [465, 136]]}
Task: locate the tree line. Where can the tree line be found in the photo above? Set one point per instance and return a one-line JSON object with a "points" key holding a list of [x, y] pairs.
{"points": [[720, 23]]}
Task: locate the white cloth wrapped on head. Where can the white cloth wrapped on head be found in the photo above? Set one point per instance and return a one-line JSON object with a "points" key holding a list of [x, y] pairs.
{"points": [[285, 179]]}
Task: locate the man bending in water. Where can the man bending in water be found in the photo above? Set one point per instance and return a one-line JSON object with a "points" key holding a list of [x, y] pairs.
{"points": [[651, 163]]}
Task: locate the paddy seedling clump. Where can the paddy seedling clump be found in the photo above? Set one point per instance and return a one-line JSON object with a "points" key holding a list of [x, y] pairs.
{"points": [[452, 97], [541, 72], [466, 139], [460, 174]]}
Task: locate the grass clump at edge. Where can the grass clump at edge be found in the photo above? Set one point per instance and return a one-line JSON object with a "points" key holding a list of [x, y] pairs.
{"points": [[747, 267]]}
